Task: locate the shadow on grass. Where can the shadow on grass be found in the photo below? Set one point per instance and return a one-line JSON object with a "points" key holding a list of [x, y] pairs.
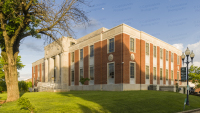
{"points": [[132, 101], [21, 93], [86, 109]]}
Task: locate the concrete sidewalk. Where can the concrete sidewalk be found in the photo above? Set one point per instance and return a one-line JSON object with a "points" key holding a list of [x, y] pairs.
{"points": [[191, 111]]}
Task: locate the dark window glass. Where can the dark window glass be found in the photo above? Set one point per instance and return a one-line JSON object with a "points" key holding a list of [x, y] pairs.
{"points": [[91, 50], [111, 70], [111, 45], [132, 70]]}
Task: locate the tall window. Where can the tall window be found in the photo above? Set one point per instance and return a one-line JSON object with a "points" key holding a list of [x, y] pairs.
{"points": [[81, 54], [111, 70], [91, 50], [81, 73], [147, 72], [178, 60], [172, 75], [154, 51], [160, 73], [147, 48], [161, 53], [154, 73], [172, 57], [72, 76], [111, 45], [167, 55], [72, 56], [131, 70], [177, 75], [131, 44], [91, 73], [166, 74]]}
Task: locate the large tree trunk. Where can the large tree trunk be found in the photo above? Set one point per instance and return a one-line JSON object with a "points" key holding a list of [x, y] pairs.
{"points": [[11, 76]]}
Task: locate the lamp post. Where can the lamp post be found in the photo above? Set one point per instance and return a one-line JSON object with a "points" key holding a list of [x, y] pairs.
{"points": [[187, 53]]}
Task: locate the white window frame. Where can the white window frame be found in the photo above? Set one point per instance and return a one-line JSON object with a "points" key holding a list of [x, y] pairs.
{"points": [[109, 44], [167, 55], [162, 53], [171, 75], [172, 57], [146, 71], [146, 48], [134, 44], [90, 51], [162, 73], [154, 51], [89, 71], [130, 69], [80, 75], [155, 73], [108, 72], [71, 77], [80, 54], [166, 74]]}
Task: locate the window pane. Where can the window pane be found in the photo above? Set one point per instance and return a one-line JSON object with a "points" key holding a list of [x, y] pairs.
{"points": [[81, 54], [91, 50], [111, 45], [72, 56], [166, 74], [172, 57], [111, 70], [147, 48], [81, 73], [92, 73], [72, 76], [132, 44], [132, 70], [160, 73], [166, 55], [177, 75], [147, 72], [161, 53], [172, 75], [154, 73], [154, 51]]}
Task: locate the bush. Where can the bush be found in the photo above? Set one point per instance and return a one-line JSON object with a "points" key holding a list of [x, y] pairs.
{"points": [[23, 86], [26, 104]]}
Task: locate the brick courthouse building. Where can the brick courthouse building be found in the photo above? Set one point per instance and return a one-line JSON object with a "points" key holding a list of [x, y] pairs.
{"points": [[116, 59]]}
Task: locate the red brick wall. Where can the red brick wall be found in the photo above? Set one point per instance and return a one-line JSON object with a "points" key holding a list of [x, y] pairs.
{"points": [[100, 58], [76, 67], [151, 63], [69, 69], [164, 66], [86, 65], [158, 65], [126, 58], [137, 60], [169, 52], [32, 77]]}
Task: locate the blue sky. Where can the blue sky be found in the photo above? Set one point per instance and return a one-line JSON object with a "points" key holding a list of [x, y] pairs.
{"points": [[176, 22]]}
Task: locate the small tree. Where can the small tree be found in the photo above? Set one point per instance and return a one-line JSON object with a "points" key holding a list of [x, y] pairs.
{"points": [[194, 75]]}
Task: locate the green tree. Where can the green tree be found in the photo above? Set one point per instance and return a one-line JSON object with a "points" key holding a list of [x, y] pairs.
{"points": [[194, 75], [22, 18], [19, 67]]}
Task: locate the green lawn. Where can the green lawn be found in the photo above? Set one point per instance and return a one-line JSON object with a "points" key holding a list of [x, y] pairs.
{"points": [[104, 101]]}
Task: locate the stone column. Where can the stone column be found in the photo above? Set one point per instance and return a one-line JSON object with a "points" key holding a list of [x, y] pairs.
{"points": [[51, 69], [46, 70], [64, 71], [57, 64]]}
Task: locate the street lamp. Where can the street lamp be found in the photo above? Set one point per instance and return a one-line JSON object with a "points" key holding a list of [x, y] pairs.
{"points": [[187, 53]]}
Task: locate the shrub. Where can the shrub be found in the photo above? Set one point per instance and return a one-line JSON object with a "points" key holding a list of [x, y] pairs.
{"points": [[83, 80], [26, 104], [23, 86]]}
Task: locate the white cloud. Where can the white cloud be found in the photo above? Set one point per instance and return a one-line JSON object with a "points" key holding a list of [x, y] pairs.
{"points": [[178, 46], [192, 47], [25, 76]]}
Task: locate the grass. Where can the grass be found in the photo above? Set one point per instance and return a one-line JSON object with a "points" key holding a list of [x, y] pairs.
{"points": [[104, 101]]}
